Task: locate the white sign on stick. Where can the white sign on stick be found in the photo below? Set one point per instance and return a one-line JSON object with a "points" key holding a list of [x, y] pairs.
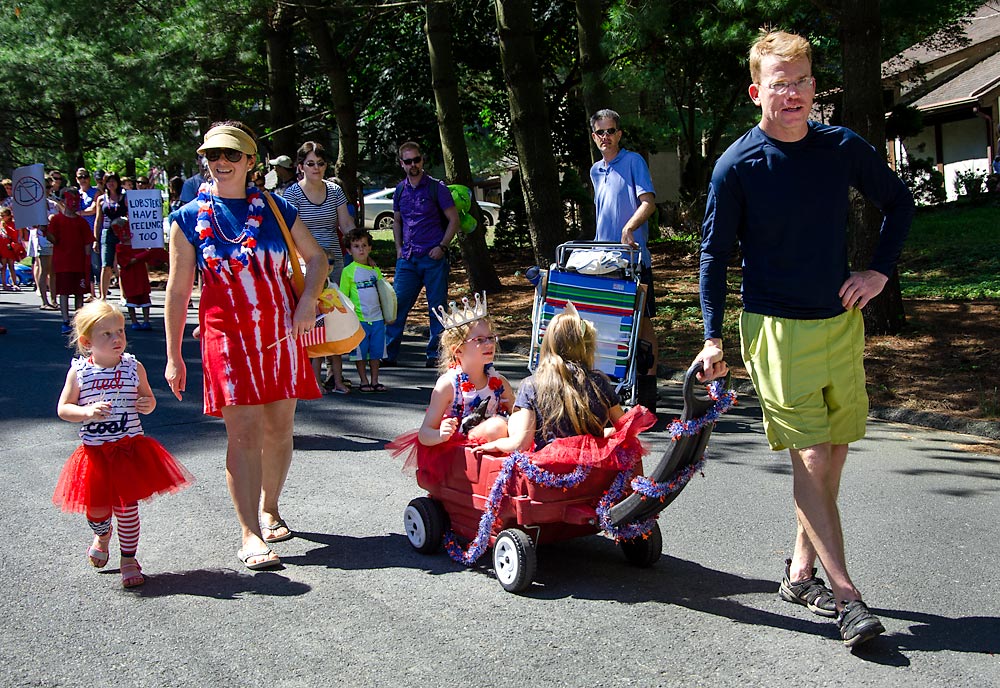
{"points": [[145, 217], [28, 196]]}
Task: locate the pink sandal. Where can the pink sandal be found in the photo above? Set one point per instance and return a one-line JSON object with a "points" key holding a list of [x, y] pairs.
{"points": [[99, 557], [132, 575]]}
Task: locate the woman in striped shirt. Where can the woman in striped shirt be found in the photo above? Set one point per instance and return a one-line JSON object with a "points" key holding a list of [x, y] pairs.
{"points": [[322, 205]]}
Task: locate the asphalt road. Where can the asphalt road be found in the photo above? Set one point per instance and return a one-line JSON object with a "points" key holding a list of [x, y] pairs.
{"points": [[355, 605]]}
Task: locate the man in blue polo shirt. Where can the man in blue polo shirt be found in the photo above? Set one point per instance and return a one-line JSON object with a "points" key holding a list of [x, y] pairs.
{"points": [[781, 191], [625, 200], [426, 220]]}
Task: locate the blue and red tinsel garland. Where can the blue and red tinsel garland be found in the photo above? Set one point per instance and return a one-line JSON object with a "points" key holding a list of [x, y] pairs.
{"points": [[724, 400]]}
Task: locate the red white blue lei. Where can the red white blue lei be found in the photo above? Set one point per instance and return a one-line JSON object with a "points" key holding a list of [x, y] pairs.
{"points": [[206, 229], [464, 387], [724, 400]]}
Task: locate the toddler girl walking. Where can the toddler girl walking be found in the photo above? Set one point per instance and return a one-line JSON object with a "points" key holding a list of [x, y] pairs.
{"points": [[117, 465]]}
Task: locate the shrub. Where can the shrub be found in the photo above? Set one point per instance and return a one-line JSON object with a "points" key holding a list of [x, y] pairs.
{"points": [[924, 180], [970, 183]]}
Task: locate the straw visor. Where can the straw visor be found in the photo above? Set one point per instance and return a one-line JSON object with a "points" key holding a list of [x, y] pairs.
{"points": [[225, 136]]}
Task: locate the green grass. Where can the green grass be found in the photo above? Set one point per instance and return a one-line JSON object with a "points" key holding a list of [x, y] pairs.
{"points": [[953, 253]]}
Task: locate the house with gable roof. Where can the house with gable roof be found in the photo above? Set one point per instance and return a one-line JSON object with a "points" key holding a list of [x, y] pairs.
{"points": [[956, 89]]}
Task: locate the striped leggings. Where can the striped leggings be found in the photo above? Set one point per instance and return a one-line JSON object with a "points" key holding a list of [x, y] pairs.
{"points": [[128, 527]]}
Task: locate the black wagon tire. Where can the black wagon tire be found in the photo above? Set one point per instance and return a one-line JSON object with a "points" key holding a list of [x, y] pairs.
{"points": [[514, 560], [424, 523], [644, 552]]}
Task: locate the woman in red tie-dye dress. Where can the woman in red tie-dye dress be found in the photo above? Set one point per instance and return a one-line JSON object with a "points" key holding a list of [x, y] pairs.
{"points": [[254, 369]]}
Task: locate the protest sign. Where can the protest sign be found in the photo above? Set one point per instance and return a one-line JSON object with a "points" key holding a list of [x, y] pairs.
{"points": [[28, 196], [145, 217]]}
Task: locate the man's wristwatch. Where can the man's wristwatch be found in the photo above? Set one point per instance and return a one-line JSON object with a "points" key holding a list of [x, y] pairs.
{"points": [[443, 247]]}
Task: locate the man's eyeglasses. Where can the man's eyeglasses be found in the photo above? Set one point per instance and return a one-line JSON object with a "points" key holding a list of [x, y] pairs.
{"points": [[213, 154], [610, 131], [411, 161], [83, 176], [315, 163], [782, 87], [479, 341]]}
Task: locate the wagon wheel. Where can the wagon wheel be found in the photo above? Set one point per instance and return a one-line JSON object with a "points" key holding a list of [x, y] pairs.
{"points": [[424, 523], [514, 560], [646, 551]]}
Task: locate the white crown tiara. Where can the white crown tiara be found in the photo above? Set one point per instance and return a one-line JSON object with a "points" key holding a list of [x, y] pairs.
{"points": [[463, 314]]}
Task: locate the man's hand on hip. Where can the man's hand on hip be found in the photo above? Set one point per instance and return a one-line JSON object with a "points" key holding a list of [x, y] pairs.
{"points": [[861, 287]]}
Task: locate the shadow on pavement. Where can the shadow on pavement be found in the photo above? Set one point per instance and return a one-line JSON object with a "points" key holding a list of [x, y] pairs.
{"points": [[339, 443], [220, 584], [935, 633], [348, 553]]}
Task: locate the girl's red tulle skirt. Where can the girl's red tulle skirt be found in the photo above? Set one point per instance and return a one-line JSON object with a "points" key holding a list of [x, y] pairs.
{"points": [[118, 474], [620, 451], [433, 460]]}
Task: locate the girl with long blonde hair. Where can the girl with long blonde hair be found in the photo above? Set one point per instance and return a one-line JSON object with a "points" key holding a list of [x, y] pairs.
{"points": [[568, 408]]}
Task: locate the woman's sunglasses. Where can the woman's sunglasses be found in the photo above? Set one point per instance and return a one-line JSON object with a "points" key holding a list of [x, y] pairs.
{"points": [[213, 154], [316, 163]]}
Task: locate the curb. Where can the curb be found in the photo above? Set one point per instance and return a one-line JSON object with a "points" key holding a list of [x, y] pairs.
{"points": [[924, 419]]}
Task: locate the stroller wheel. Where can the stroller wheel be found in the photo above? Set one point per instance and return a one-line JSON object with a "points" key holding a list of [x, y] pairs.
{"points": [[424, 524], [644, 552], [514, 560]]}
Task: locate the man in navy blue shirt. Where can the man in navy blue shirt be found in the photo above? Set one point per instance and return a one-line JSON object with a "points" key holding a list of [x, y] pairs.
{"points": [[781, 191]]}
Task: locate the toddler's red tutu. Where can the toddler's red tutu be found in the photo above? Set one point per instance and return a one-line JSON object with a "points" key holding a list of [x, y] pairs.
{"points": [[118, 473], [617, 452]]}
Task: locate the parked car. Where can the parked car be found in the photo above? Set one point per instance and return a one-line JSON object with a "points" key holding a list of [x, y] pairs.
{"points": [[378, 210]]}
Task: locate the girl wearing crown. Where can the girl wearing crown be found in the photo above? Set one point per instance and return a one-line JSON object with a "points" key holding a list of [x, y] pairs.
{"points": [[254, 368], [470, 401]]}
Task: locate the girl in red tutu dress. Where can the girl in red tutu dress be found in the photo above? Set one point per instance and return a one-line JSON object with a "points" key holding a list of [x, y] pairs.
{"points": [[116, 466], [11, 250], [567, 411], [470, 401]]}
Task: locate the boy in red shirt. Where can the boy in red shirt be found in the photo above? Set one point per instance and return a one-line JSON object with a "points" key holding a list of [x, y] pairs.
{"points": [[71, 239]]}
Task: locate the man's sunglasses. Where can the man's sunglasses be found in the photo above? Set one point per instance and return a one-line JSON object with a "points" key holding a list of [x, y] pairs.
{"points": [[411, 161], [610, 131], [213, 154]]}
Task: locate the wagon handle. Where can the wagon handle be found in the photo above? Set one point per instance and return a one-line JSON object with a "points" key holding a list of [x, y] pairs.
{"points": [[697, 401]]}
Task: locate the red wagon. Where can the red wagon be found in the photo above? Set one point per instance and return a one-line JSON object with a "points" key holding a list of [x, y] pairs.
{"points": [[512, 505]]}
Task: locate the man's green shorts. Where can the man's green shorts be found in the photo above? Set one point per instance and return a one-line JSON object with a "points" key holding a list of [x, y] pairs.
{"points": [[809, 376]]}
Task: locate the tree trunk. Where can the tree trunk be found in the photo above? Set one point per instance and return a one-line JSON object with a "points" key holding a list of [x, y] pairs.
{"points": [[346, 167], [69, 123], [864, 113], [478, 265], [530, 125], [596, 94], [281, 79], [593, 62]]}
